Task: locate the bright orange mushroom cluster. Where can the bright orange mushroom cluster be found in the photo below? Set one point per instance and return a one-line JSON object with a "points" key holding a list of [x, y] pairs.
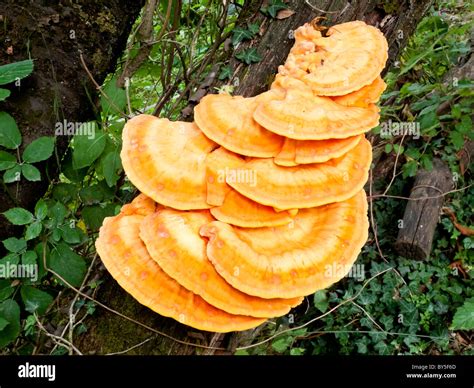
{"points": [[260, 201]]}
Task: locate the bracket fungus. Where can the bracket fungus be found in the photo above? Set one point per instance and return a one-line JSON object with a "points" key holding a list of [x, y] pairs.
{"points": [[173, 241], [228, 121], [307, 185], [260, 201], [302, 115], [295, 259], [349, 57], [159, 155], [127, 259]]}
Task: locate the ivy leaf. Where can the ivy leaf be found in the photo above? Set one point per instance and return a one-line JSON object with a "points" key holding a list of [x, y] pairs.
{"points": [[33, 230], [464, 317], [30, 172], [88, 149], [254, 28], [7, 160], [9, 311], [19, 216], [320, 301], [273, 8], [382, 348], [13, 174], [68, 264], [116, 98], [4, 94], [249, 56], [10, 136], [240, 34], [35, 300], [14, 71], [39, 150], [225, 73], [281, 344]]}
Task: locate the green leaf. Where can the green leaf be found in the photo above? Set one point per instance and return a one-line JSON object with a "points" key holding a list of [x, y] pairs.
{"points": [[249, 56], [241, 34], [87, 150], [33, 230], [29, 258], [13, 174], [41, 210], [31, 173], [3, 323], [427, 162], [282, 344], [15, 70], [382, 348], [413, 153], [6, 290], [465, 125], [254, 28], [111, 165], [464, 317], [19, 216], [35, 300], [409, 169], [10, 136], [7, 160], [457, 139], [225, 73], [388, 148], [94, 215], [273, 8], [68, 264], [4, 94], [70, 235], [116, 98], [14, 244], [57, 213], [9, 311], [39, 150], [320, 301]]}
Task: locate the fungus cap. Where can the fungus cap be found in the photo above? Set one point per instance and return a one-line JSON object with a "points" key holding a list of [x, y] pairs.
{"points": [[159, 155], [312, 253], [301, 115], [229, 122], [173, 241], [307, 185], [126, 258], [349, 57]]}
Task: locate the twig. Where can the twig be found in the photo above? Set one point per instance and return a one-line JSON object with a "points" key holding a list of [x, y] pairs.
{"points": [[129, 349], [99, 88], [318, 317], [56, 338]]}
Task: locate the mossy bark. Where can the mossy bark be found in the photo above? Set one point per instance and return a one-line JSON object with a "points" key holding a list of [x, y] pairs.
{"points": [[110, 333], [53, 34]]}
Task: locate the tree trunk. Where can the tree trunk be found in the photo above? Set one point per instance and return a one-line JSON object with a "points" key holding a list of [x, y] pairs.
{"points": [[108, 332], [54, 34]]}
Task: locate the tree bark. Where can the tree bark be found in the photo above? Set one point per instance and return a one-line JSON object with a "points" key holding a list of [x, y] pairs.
{"points": [[415, 236], [108, 332], [54, 34]]}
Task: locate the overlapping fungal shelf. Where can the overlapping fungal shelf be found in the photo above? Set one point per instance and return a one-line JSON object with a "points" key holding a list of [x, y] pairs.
{"points": [[246, 211]]}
